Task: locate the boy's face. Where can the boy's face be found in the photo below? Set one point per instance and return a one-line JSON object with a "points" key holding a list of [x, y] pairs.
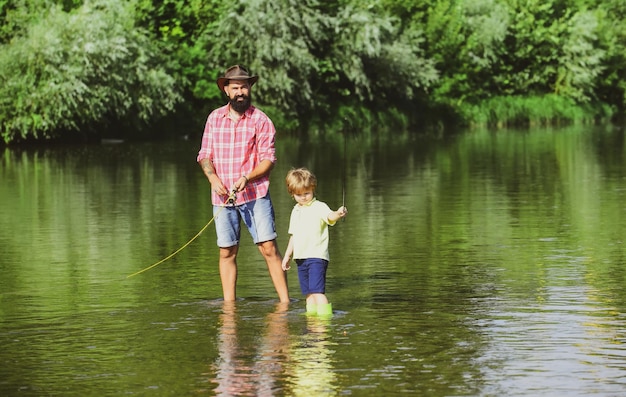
{"points": [[304, 197]]}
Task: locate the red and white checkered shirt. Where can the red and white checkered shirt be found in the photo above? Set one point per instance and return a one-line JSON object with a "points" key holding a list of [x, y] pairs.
{"points": [[236, 147]]}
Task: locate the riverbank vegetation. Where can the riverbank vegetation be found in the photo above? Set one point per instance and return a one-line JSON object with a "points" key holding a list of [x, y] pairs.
{"points": [[75, 69]]}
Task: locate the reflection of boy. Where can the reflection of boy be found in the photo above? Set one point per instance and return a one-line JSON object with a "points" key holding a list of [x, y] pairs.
{"points": [[313, 371], [308, 243]]}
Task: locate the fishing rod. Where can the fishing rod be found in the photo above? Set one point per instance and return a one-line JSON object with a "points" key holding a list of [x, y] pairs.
{"points": [[344, 165], [343, 182], [231, 200]]}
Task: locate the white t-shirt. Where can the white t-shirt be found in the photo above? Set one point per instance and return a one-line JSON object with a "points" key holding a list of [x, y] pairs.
{"points": [[309, 227]]}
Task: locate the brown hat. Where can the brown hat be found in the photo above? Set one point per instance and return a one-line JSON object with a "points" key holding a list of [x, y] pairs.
{"points": [[236, 72]]}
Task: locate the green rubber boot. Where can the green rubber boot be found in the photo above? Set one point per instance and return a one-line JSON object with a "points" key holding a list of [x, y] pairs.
{"points": [[311, 308], [325, 309]]}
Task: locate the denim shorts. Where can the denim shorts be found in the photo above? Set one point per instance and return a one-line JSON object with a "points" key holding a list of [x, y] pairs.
{"points": [[312, 275], [258, 216]]}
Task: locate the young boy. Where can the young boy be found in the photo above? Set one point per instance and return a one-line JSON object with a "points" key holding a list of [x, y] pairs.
{"points": [[308, 243]]}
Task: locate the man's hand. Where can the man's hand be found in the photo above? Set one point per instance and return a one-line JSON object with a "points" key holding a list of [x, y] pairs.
{"points": [[216, 183], [217, 186], [241, 183]]}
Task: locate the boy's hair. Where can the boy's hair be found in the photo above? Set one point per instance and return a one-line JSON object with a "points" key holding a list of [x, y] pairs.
{"points": [[300, 179]]}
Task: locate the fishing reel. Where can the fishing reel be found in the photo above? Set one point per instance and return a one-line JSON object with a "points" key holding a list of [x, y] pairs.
{"points": [[232, 197]]}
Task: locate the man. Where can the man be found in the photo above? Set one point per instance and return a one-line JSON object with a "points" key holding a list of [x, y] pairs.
{"points": [[237, 155]]}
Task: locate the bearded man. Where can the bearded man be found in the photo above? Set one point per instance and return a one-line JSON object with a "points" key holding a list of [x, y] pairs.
{"points": [[237, 154]]}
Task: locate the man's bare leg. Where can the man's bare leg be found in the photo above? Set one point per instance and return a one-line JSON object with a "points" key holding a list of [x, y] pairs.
{"points": [[274, 260], [228, 272]]}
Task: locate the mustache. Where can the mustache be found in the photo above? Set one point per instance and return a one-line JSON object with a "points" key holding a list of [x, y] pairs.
{"points": [[242, 96], [241, 105]]}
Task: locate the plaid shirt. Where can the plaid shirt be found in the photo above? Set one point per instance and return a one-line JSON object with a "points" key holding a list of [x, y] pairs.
{"points": [[236, 148]]}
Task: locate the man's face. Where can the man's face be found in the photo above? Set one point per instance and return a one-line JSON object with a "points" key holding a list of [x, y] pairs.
{"points": [[239, 97]]}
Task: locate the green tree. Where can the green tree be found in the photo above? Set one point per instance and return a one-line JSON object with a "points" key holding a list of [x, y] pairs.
{"points": [[580, 58], [80, 72], [612, 39], [278, 40], [466, 39], [14, 17], [179, 28], [550, 48], [315, 58], [17, 15], [489, 49], [86, 65]]}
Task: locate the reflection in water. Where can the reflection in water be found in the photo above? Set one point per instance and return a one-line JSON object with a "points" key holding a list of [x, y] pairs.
{"points": [[483, 264], [313, 372], [270, 364], [563, 337], [550, 347], [241, 371]]}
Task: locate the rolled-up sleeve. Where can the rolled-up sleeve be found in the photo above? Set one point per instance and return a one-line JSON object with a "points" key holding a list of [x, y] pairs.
{"points": [[205, 147], [266, 139]]}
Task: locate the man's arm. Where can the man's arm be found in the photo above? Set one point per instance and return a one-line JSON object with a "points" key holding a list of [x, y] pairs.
{"points": [[262, 169], [209, 172]]}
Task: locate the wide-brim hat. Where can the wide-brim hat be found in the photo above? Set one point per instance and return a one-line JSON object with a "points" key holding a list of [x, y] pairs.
{"points": [[236, 72]]}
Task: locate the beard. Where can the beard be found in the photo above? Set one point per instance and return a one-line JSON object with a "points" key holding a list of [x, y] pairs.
{"points": [[241, 106]]}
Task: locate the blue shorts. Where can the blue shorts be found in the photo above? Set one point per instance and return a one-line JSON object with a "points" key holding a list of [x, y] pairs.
{"points": [[257, 215], [312, 275]]}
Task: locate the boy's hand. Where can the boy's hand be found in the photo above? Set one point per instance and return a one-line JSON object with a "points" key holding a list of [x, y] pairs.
{"points": [[342, 211], [286, 266]]}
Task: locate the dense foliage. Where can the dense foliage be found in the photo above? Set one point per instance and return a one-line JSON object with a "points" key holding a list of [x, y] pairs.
{"points": [[82, 71], [72, 66]]}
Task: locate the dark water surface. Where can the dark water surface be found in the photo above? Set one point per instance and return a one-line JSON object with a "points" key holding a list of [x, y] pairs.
{"points": [[484, 264]]}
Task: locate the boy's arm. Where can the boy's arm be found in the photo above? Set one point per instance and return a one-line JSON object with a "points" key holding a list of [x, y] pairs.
{"points": [[287, 255], [341, 212]]}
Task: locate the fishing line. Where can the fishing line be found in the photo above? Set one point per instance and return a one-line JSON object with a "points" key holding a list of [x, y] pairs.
{"points": [[231, 200], [343, 182]]}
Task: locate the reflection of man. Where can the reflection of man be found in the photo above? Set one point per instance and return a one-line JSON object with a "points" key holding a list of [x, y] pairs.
{"points": [[232, 371], [248, 367], [237, 155]]}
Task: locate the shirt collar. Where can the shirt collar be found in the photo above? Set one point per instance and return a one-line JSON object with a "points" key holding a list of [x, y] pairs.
{"points": [[310, 203]]}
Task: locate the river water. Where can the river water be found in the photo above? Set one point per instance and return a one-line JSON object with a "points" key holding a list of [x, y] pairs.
{"points": [[479, 264]]}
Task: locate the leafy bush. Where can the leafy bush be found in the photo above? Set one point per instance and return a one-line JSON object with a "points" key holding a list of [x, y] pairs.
{"points": [[531, 111], [315, 57], [81, 71]]}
